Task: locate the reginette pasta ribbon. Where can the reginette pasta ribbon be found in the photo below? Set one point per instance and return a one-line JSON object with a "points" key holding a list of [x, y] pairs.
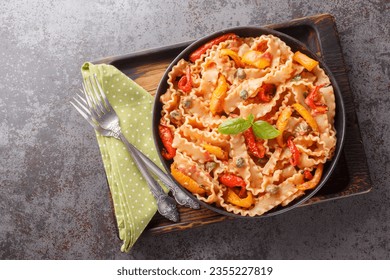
{"points": [[251, 123]]}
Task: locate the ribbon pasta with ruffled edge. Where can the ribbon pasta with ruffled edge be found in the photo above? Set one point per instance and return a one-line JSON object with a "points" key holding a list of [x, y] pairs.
{"points": [[243, 78]]}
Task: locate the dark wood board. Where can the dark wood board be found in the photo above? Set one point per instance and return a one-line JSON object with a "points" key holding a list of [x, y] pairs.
{"points": [[319, 33]]}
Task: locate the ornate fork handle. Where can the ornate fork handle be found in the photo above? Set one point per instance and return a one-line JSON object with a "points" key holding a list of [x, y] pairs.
{"points": [[165, 204], [181, 197]]}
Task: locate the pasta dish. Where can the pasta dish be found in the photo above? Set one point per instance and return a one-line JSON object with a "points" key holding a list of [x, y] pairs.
{"points": [[247, 124]]}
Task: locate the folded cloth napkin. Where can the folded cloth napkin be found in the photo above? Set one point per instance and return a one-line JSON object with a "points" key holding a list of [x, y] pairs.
{"points": [[134, 205]]}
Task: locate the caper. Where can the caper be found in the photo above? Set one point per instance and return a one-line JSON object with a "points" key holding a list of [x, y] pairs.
{"points": [[210, 165], [187, 103], [175, 114], [244, 94], [262, 161], [272, 189], [241, 73], [240, 162], [297, 77]]}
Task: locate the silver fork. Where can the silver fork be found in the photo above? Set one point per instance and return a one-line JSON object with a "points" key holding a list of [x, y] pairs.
{"points": [[101, 100], [181, 197], [102, 114]]}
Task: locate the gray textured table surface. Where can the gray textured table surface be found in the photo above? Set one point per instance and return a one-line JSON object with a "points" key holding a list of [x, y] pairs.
{"points": [[53, 193]]}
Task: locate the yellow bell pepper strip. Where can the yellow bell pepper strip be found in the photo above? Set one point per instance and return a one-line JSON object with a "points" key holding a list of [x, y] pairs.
{"points": [[231, 181], [203, 49], [311, 101], [306, 115], [313, 182], [281, 124], [257, 59], [233, 55], [218, 95], [185, 82], [305, 61], [215, 150], [296, 155], [233, 198], [186, 181]]}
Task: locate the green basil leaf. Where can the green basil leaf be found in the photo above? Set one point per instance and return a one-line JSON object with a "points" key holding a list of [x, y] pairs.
{"points": [[251, 118], [234, 126], [264, 130]]}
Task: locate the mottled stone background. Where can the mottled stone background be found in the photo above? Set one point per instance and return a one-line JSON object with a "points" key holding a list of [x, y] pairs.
{"points": [[53, 193]]}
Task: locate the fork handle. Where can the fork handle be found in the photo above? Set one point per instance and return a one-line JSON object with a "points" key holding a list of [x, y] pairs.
{"points": [[180, 196], [165, 204]]}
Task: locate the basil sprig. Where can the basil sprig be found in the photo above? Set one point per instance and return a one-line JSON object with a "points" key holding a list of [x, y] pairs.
{"points": [[261, 129], [264, 130], [234, 126]]}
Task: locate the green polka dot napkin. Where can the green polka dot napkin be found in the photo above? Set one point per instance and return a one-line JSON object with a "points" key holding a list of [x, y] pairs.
{"points": [[134, 204]]}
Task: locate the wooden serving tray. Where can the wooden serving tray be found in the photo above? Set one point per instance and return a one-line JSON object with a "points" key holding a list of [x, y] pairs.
{"points": [[318, 33]]}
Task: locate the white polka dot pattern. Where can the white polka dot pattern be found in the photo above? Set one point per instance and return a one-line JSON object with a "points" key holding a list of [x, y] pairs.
{"points": [[134, 205]]}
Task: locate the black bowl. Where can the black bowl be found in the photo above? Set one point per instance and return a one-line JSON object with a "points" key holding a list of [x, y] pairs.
{"points": [[295, 45]]}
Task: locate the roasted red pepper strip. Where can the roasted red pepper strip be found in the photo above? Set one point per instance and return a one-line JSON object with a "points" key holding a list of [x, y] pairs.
{"points": [[311, 101], [231, 181], [294, 150], [266, 92], [185, 82], [166, 137], [261, 148], [252, 145], [307, 174], [201, 50]]}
